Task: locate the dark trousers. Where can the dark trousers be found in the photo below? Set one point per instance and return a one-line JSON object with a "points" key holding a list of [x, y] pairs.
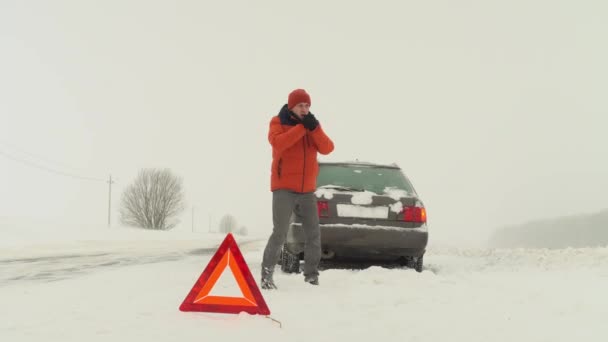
{"points": [[304, 206]]}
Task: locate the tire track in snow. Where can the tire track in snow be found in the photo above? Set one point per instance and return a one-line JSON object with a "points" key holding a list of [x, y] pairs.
{"points": [[60, 267]]}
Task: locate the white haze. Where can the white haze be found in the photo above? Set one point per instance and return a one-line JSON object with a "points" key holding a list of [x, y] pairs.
{"points": [[495, 110]]}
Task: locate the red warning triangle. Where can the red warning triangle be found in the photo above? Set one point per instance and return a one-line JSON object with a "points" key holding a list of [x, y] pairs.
{"points": [[227, 255]]}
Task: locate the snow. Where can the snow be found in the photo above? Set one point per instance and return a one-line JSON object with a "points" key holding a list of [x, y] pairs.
{"points": [[119, 284], [363, 197], [367, 197], [397, 207], [422, 228], [325, 193], [396, 194]]}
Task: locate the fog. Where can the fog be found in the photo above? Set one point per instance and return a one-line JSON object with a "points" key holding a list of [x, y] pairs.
{"points": [[576, 231], [496, 111]]}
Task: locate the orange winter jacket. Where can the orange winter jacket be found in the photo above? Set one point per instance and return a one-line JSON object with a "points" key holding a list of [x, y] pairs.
{"points": [[294, 153]]}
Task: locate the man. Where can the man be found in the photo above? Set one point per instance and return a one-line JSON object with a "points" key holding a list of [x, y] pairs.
{"points": [[296, 137]]}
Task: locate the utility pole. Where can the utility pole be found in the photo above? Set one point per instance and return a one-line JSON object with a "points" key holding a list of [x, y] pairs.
{"points": [[193, 219], [110, 182]]}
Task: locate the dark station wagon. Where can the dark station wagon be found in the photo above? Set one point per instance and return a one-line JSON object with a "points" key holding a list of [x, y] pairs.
{"points": [[367, 212]]}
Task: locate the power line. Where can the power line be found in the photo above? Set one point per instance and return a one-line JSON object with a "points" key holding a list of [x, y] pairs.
{"points": [[29, 163], [51, 170], [37, 157]]}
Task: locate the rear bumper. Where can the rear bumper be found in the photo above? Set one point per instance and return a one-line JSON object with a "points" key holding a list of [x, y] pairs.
{"points": [[363, 241]]}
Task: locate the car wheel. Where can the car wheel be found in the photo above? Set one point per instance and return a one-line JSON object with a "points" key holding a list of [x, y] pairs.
{"points": [[419, 263], [290, 263]]}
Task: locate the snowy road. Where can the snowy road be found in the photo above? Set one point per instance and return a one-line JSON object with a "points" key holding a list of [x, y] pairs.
{"points": [[463, 295], [53, 267]]}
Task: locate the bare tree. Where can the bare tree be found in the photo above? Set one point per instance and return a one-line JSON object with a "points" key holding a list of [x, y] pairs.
{"points": [[227, 224], [153, 201]]}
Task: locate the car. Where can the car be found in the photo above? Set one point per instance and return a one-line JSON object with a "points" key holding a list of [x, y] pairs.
{"points": [[367, 212]]}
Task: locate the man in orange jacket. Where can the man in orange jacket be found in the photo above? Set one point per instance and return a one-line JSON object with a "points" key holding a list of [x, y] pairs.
{"points": [[296, 137]]}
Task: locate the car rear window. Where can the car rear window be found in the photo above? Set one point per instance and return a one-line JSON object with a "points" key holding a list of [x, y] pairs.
{"points": [[372, 178]]}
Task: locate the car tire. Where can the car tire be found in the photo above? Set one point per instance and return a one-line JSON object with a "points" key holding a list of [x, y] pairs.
{"points": [[419, 263], [412, 262], [290, 263]]}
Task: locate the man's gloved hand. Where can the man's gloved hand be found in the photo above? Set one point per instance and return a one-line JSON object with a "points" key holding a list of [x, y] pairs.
{"points": [[310, 122], [295, 118]]}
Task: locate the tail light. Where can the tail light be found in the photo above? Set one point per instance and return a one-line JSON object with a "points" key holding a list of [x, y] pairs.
{"points": [[323, 208], [414, 214]]}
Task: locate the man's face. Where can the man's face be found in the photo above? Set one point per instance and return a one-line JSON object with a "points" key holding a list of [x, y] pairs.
{"points": [[301, 109]]}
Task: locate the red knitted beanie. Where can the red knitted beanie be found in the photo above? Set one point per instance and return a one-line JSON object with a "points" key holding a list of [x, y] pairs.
{"points": [[298, 96]]}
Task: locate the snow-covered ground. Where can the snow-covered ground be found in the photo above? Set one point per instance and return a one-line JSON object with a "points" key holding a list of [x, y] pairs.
{"points": [[118, 284]]}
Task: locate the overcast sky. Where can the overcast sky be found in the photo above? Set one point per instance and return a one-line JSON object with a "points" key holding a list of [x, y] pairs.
{"points": [[496, 110]]}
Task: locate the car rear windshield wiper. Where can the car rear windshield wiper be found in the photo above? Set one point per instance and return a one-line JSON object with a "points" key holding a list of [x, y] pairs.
{"points": [[341, 188]]}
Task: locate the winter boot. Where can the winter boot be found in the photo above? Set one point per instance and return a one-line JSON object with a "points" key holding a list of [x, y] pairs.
{"points": [[267, 283], [312, 279]]}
